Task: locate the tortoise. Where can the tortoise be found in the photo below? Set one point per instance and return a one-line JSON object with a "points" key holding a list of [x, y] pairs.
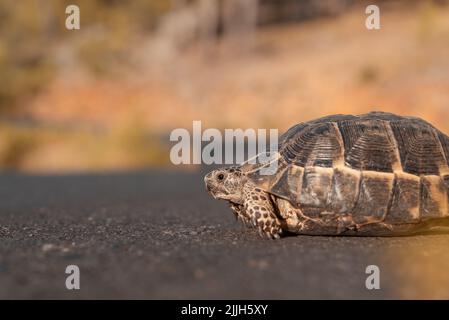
{"points": [[376, 174]]}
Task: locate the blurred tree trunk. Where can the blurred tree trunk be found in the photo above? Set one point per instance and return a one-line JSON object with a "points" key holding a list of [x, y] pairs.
{"points": [[240, 22], [234, 20], [209, 21]]}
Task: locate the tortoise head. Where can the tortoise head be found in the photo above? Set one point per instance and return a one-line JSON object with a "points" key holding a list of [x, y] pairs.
{"points": [[226, 184]]}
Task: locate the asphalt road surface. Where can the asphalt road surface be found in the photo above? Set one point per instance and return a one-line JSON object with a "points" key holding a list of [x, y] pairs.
{"points": [[159, 235]]}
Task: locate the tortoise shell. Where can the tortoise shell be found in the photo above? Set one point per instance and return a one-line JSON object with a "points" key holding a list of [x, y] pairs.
{"points": [[376, 165]]}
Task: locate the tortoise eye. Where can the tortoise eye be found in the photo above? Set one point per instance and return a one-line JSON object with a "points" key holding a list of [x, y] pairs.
{"points": [[220, 176]]}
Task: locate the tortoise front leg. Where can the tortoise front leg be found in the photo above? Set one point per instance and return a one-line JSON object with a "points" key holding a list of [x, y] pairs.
{"points": [[259, 208]]}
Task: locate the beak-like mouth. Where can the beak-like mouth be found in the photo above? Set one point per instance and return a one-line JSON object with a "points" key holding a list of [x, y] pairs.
{"points": [[210, 186], [209, 189], [206, 182]]}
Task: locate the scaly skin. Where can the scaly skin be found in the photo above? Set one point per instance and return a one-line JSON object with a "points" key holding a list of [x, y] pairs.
{"points": [[258, 207]]}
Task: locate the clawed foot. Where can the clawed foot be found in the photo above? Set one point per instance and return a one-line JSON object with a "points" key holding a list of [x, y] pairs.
{"points": [[272, 233], [268, 226], [270, 229]]}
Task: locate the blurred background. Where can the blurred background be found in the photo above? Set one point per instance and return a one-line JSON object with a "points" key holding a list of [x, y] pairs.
{"points": [[106, 97]]}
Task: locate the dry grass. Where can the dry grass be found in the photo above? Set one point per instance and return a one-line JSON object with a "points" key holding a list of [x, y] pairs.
{"points": [[294, 73], [58, 149]]}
